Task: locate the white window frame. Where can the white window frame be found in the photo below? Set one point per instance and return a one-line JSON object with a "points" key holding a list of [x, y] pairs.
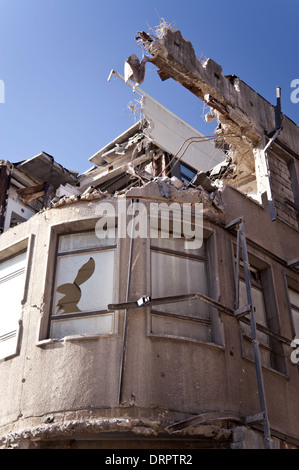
{"points": [[24, 245]]}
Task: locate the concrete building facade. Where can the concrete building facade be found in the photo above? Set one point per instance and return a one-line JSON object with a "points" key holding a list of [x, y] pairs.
{"points": [[117, 332]]}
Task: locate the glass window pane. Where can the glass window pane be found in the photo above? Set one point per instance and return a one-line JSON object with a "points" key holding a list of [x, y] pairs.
{"points": [[265, 355], [8, 344], [260, 312], [173, 275], [187, 173], [12, 278], [83, 240], [12, 265], [95, 325], [296, 322], [84, 282], [175, 244], [180, 328], [294, 298]]}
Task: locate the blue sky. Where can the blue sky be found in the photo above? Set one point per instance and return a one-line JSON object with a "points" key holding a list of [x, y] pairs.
{"points": [[56, 55]]}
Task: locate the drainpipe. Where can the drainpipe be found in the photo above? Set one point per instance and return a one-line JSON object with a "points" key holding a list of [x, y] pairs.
{"points": [[125, 324], [274, 133]]}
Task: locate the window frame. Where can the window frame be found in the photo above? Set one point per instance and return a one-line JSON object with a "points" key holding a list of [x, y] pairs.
{"points": [[292, 283], [24, 245], [180, 169], [212, 275], [272, 321], [69, 228], [90, 313]]}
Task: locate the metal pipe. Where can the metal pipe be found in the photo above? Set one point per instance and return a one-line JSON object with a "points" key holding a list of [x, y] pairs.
{"points": [[276, 131], [122, 366], [255, 341], [278, 108], [237, 280]]}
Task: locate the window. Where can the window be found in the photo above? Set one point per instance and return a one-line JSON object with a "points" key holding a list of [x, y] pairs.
{"points": [[12, 283], [176, 271], [294, 304], [83, 286], [16, 219], [182, 171], [294, 172], [266, 315]]}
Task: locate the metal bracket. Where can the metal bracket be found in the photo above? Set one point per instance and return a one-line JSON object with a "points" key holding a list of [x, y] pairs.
{"points": [[234, 223], [258, 418], [293, 263], [241, 312], [143, 300]]}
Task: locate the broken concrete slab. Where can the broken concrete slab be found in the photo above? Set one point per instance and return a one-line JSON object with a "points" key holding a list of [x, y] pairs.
{"points": [[244, 116]]}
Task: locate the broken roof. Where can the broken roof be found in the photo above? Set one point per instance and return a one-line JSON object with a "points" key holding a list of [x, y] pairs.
{"points": [[230, 97], [44, 168], [102, 156], [168, 132]]}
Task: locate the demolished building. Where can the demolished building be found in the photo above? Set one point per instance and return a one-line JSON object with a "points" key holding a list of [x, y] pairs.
{"points": [[144, 341]]}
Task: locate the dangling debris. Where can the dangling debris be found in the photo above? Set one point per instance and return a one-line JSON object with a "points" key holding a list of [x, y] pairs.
{"points": [[134, 69]]}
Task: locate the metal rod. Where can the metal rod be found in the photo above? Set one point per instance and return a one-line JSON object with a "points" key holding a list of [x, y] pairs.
{"points": [[237, 280], [276, 131], [255, 342], [122, 366], [278, 108], [173, 299], [204, 298], [203, 321]]}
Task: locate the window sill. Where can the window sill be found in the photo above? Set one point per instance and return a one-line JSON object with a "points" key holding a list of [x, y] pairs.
{"points": [[68, 339], [187, 340], [269, 369]]}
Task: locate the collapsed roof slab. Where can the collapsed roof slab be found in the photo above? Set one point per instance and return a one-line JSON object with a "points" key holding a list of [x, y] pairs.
{"points": [[44, 168], [167, 132], [97, 158], [244, 115], [177, 138], [175, 56]]}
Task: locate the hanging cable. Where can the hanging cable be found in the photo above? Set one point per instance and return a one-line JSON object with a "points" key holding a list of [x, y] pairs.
{"points": [[190, 140]]}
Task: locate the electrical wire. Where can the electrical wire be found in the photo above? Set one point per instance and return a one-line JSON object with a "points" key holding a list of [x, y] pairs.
{"points": [[190, 140]]}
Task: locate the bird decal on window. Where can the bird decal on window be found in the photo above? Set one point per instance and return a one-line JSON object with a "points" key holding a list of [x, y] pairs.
{"points": [[72, 292]]}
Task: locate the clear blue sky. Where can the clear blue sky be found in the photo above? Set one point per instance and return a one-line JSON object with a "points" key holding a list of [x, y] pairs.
{"points": [[56, 55]]}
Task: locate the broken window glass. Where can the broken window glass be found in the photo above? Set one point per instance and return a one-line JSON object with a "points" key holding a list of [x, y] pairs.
{"points": [[83, 285]]}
